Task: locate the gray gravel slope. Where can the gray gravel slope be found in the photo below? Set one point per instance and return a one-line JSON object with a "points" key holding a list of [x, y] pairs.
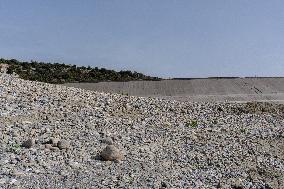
{"points": [[166, 144], [238, 89]]}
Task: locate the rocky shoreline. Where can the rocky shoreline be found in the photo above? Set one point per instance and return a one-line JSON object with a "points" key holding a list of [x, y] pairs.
{"points": [[58, 137]]}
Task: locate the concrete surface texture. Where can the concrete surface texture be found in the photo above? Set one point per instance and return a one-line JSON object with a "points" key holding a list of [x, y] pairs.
{"points": [[211, 89]]}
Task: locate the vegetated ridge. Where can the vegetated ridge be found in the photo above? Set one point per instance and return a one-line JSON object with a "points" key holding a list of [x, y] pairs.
{"points": [[65, 73]]}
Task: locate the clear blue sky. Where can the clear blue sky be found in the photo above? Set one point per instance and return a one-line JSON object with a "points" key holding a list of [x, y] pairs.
{"points": [[167, 38]]}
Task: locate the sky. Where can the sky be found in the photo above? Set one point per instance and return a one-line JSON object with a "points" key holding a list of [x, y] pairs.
{"points": [[165, 38]]}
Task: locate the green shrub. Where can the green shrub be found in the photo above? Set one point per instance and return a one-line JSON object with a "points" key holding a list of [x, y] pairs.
{"points": [[63, 73], [192, 123], [15, 148]]}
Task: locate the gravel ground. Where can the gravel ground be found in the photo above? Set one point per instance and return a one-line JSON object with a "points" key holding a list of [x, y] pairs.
{"points": [[197, 90], [58, 137]]}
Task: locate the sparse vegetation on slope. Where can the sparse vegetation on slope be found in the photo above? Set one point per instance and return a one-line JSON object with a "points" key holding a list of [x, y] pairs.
{"points": [[63, 73]]}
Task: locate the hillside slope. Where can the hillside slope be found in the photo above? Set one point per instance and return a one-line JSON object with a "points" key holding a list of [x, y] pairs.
{"points": [[53, 136], [235, 89]]}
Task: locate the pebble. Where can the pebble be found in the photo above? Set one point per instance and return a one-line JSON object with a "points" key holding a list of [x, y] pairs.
{"points": [[13, 181], [28, 143], [63, 144], [54, 141], [164, 185], [51, 147], [3, 181], [107, 140], [17, 173], [111, 153]]}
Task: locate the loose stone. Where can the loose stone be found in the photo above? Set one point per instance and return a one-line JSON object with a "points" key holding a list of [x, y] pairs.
{"points": [[111, 153]]}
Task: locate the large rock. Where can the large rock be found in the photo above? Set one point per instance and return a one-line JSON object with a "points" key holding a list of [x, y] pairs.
{"points": [[28, 143], [107, 140], [54, 142], [63, 144], [111, 153]]}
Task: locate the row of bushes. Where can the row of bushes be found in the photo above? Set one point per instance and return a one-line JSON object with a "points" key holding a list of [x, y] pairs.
{"points": [[64, 73]]}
